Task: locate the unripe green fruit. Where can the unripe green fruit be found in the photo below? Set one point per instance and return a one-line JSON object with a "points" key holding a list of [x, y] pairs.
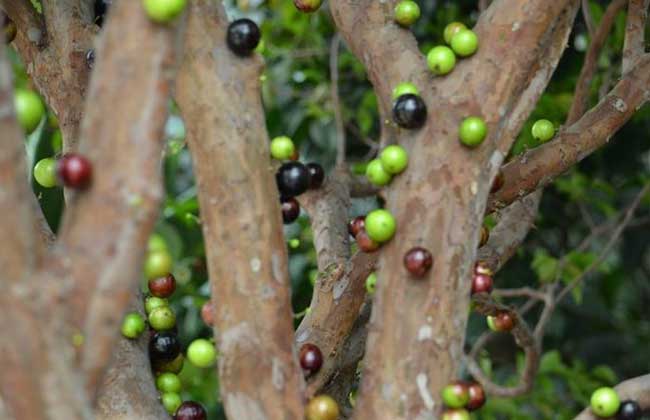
{"points": [[153, 302], [441, 60], [394, 159], [404, 88], [57, 141], [376, 173], [371, 283], [157, 264], [456, 414], [171, 401], [163, 11], [491, 323], [45, 172], [452, 29], [162, 318], [168, 382], [472, 131], [282, 148], [455, 395], [605, 402], [29, 109], [543, 130], [201, 353], [133, 325], [380, 225], [407, 12], [464, 42]]}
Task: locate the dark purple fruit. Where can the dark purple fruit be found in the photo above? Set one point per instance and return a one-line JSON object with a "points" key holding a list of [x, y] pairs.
{"points": [[311, 358], [190, 410], [164, 347], [292, 179], [290, 210], [74, 171], [243, 36], [418, 261], [629, 410], [410, 111], [316, 175], [356, 225]]}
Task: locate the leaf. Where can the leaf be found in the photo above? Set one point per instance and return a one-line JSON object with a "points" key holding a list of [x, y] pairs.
{"points": [[545, 266]]}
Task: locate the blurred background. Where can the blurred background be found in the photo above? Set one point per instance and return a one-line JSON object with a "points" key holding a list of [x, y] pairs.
{"points": [[598, 336]]}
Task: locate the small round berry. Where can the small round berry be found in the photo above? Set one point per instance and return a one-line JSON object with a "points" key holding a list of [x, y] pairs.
{"points": [[75, 171], [133, 325], [175, 366], [311, 358], [292, 179], [29, 109], [418, 261], [243, 36], [629, 410], [322, 407], [153, 302], [10, 30], [498, 182], [90, 58], [282, 148], [307, 6], [162, 287], [316, 175], [164, 346], [472, 131], [364, 242], [191, 410], [162, 319], [504, 321], [605, 402], [394, 159], [481, 267], [543, 130], [207, 313], [45, 172], [482, 283], [371, 283], [407, 12], [380, 225], [404, 88], [156, 243], [491, 323], [456, 414], [464, 42], [485, 236], [201, 353], [157, 264], [163, 11], [290, 210], [455, 395], [410, 111], [452, 29], [168, 382], [356, 225], [171, 401], [377, 174], [476, 396], [441, 60]]}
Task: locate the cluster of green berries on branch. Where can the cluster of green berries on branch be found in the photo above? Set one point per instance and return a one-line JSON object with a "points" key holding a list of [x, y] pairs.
{"points": [[460, 398], [71, 170], [606, 403]]}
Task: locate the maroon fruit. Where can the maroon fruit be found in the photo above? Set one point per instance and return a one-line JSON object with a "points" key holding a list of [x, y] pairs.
{"points": [[482, 283], [311, 358], [504, 321], [307, 6], [356, 225], [316, 175], [365, 243], [162, 287], [74, 171], [485, 236], [207, 313], [191, 410], [290, 210], [498, 182], [418, 261], [476, 396]]}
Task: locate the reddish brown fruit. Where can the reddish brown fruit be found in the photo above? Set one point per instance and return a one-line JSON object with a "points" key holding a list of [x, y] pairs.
{"points": [[311, 358], [356, 225], [482, 283], [307, 6], [481, 267], [418, 261], [485, 236], [207, 313], [498, 182], [75, 171], [504, 321], [365, 243], [162, 287], [476, 396], [191, 410]]}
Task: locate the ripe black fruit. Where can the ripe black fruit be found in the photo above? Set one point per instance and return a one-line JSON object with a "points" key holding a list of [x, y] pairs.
{"points": [[243, 36], [316, 175], [164, 347], [290, 210], [191, 410], [292, 179], [629, 410], [410, 111]]}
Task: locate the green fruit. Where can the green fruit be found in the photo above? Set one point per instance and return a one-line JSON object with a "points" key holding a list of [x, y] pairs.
{"points": [[45, 172], [380, 225], [543, 130], [464, 42], [133, 325], [472, 131], [441, 60], [407, 12], [157, 264], [201, 353], [404, 88], [57, 141], [29, 109], [605, 402], [156, 243], [456, 414], [153, 302], [168, 382], [171, 401], [452, 29], [313, 276], [371, 283], [282, 148], [376, 173], [162, 318], [394, 159], [455, 395], [163, 11], [491, 324]]}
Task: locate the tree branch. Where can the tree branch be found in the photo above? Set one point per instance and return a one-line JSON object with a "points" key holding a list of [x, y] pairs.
{"points": [[241, 220], [634, 47], [336, 101], [31, 36], [589, 19], [637, 389]]}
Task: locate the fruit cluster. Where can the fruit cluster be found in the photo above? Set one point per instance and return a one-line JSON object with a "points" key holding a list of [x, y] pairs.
{"points": [[391, 161], [460, 398], [606, 403], [372, 230], [71, 170]]}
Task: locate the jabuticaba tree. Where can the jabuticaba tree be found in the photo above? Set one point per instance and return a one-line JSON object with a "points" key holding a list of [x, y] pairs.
{"points": [[82, 338]]}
